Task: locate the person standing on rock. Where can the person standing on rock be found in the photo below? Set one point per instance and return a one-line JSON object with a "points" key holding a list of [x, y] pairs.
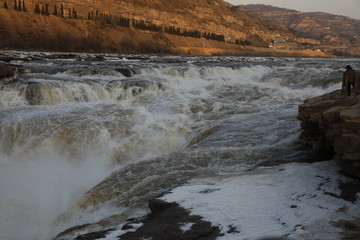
{"points": [[349, 77]]}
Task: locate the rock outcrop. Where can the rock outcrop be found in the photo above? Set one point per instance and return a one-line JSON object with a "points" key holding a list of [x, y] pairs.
{"points": [[331, 122], [7, 73], [166, 222]]}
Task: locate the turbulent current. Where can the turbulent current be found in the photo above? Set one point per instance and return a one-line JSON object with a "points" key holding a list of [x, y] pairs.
{"points": [[87, 136]]}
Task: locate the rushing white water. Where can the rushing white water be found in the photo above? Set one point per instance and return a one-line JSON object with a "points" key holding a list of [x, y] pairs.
{"points": [[142, 123]]}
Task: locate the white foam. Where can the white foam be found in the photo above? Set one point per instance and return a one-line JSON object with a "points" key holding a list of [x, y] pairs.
{"points": [[154, 133], [12, 98], [290, 200], [186, 226]]}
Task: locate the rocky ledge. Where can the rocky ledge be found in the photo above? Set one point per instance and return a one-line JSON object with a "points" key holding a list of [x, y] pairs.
{"points": [[331, 123], [167, 221], [7, 73]]}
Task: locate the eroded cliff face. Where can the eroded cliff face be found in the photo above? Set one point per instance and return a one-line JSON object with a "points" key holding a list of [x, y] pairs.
{"points": [[331, 122]]}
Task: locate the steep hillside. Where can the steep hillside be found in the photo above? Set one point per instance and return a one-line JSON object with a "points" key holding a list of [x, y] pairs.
{"points": [[213, 16], [338, 34], [138, 26]]}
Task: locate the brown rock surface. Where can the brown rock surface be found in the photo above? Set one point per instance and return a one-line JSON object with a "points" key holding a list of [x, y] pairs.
{"points": [[331, 122]]}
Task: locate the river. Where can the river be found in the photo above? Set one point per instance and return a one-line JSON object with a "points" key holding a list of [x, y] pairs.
{"points": [[86, 135]]}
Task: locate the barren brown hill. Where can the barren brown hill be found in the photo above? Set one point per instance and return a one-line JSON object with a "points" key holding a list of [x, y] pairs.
{"points": [[337, 34], [204, 15], [87, 31]]}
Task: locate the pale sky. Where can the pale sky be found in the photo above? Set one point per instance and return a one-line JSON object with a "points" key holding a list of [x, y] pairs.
{"points": [[349, 8]]}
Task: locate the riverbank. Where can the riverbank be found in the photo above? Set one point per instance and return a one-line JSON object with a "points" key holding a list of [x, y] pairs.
{"points": [[289, 201], [331, 123]]}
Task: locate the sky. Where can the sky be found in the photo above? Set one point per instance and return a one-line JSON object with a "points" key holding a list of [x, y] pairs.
{"points": [[349, 8]]}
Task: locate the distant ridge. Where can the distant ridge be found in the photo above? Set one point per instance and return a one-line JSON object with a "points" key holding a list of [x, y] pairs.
{"points": [[337, 34]]}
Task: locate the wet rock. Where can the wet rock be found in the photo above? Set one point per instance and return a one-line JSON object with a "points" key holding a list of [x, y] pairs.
{"points": [[62, 56], [70, 230], [35, 93], [165, 223], [90, 58], [350, 190], [126, 72], [7, 73], [141, 83], [94, 235], [271, 238], [232, 229], [350, 229], [331, 123], [203, 135], [157, 206], [136, 86]]}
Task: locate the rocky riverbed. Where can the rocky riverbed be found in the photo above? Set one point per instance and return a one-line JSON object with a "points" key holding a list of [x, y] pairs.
{"points": [[295, 201]]}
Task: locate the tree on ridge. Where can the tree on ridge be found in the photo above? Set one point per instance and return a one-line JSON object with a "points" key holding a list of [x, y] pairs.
{"points": [[55, 11], [37, 8], [47, 13], [62, 10], [19, 6], [23, 6]]}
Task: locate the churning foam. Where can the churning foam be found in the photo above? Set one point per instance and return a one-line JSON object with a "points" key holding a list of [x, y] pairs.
{"points": [[53, 154]]}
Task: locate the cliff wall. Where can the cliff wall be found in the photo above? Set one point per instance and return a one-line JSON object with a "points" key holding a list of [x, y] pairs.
{"points": [[331, 122]]}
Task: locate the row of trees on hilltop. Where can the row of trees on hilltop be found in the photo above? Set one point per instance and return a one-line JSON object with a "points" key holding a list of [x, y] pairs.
{"points": [[43, 9], [105, 17], [62, 12], [18, 6], [143, 25]]}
